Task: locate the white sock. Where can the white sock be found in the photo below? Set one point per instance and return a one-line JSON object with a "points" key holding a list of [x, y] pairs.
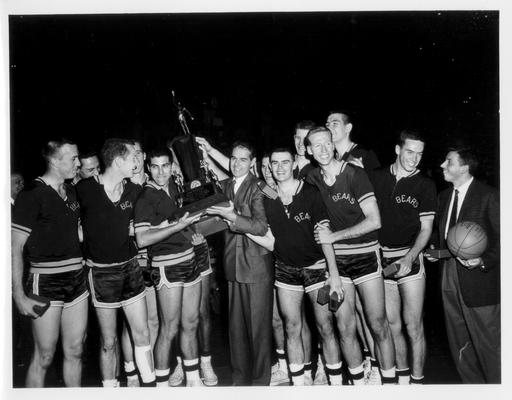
{"points": [[110, 383], [297, 372], [388, 375], [403, 376], [178, 360], [144, 360], [283, 365], [357, 374], [206, 359], [162, 377], [307, 369], [335, 377], [191, 369]]}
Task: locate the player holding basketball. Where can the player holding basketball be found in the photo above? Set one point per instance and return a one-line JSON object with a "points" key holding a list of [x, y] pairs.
{"points": [[354, 218], [407, 204], [471, 288], [45, 225]]}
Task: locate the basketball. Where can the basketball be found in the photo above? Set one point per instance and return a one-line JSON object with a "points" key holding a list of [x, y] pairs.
{"points": [[466, 240]]}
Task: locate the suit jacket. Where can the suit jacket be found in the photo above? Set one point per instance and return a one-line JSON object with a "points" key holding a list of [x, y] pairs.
{"points": [[244, 260], [479, 287]]}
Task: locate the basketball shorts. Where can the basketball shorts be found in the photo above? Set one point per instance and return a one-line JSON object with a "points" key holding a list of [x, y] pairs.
{"points": [[202, 254], [64, 289], [359, 268], [417, 270], [300, 279], [184, 274], [116, 286]]}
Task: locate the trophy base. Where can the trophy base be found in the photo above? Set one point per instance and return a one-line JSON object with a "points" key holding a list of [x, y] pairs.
{"points": [[207, 224]]}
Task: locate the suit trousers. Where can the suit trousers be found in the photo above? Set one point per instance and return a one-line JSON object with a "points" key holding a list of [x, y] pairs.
{"points": [[473, 332], [250, 332]]}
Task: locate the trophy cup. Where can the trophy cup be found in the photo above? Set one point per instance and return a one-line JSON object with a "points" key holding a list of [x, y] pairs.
{"points": [[197, 186]]}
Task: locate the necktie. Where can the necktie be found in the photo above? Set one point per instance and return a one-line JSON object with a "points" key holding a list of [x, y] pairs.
{"points": [[232, 190], [453, 215]]}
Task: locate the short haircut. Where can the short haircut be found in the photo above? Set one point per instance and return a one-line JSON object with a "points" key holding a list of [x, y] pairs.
{"points": [[305, 125], [52, 147], [467, 156], [159, 152], [282, 150], [245, 145], [88, 154], [316, 130], [346, 115], [113, 148], [411, 134]]}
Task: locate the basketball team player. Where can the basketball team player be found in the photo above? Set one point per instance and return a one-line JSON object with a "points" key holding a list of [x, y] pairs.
{"points": [[174, 269], [107, 204], [45, 225], [407, 204], [300, 263], [132, 379], [354, 221]]}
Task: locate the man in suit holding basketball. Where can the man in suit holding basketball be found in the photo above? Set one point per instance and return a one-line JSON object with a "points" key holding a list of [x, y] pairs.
{"points": [[471, 288]]}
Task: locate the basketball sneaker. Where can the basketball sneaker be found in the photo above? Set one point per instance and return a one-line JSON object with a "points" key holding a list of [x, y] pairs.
{"points": [[177, 377], [279, 377], [208, 375]]}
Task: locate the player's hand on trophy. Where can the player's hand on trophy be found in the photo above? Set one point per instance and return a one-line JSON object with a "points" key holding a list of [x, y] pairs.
{"points": [[405, 266], [185, 220], [203, 144], [227, 213]]}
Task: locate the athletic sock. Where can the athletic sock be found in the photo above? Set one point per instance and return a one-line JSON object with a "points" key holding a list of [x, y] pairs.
{"points": [[403, 375], [297, 373], [130, 371], [206, 359], [144, 360], [417, 380], [307, 370], [191, 368], [388, 376], [113, 383], [281, 358], [334, 372], [366, 353], [162, 377], [357, 375]]}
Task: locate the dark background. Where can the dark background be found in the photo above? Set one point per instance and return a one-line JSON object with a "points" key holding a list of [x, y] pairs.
{"points": [[253, 76]]}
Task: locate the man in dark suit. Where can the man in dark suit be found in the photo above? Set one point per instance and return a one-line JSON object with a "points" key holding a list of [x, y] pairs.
{"points": [[248, 269], [471, 288]]}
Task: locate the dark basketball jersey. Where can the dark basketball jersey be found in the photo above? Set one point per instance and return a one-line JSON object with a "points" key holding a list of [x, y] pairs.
{"points": [[51, 224]]}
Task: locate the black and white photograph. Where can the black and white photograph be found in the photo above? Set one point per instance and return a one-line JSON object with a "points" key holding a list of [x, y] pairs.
{"points": [[260, 195]]}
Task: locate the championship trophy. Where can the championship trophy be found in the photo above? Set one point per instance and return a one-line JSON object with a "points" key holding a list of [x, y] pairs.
{"points": [[198, 187]]}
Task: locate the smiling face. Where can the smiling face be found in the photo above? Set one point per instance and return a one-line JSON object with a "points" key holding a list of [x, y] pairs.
{"points": [[160, 170], [266, 171], [321, 147], [453, 170], [89, 167], [409, 155], [339, 129], [128, 163], [282, 165], [240, 162], [298, 139], [66, 161], [140, 157]]}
